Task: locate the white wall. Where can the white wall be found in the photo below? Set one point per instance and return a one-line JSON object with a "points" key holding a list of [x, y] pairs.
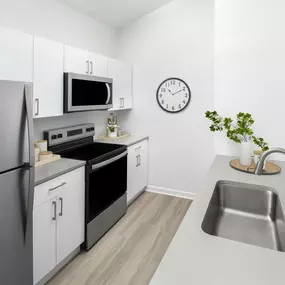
{"points": [[174, 41], [55, 21], [58, 22], [249, 66]]}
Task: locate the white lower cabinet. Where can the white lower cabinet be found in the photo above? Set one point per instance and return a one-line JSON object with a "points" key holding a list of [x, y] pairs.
{"points": [[44, 240], [137, 169], [58, 220]]}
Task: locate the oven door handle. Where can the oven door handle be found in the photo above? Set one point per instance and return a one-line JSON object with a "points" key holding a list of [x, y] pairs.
{"points": [[109, 161]]}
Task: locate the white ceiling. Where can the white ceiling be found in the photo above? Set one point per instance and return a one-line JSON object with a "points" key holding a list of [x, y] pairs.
{"points": [[115, 13]]}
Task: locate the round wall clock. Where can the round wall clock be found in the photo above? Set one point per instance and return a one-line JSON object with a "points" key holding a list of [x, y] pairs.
{"points": [[173, 95]]}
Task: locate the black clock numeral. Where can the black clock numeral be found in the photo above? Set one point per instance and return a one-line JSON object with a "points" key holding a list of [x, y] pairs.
{"points": [[186, 95], [163, 89], [162, 102], [179, 106], [160, 95], [184, 101], [184, 88], [173, 108], [172, 82], [166, 106], [179, 83]]}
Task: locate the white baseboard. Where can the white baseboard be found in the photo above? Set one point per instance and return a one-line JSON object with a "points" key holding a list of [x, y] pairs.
{"points": [[171, 192]]}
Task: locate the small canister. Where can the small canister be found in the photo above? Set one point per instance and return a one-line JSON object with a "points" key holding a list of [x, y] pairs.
{"points": [[45, 155], [42, 145]]}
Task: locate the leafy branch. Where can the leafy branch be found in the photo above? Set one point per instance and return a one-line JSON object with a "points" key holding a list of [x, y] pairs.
{"points": [[239, 131]]}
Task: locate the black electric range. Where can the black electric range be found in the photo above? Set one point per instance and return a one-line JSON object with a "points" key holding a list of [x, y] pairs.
{"points": [[105, 176]]}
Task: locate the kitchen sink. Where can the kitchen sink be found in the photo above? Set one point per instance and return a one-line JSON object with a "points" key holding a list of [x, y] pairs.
{"points": [[246, 213]]}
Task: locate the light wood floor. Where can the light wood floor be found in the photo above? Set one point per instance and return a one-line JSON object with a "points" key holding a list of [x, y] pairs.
{"points": [[131, 251]]}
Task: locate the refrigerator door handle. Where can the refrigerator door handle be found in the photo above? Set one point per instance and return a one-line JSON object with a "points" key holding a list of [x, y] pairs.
{"points": [[30, 125], [27, 207]]}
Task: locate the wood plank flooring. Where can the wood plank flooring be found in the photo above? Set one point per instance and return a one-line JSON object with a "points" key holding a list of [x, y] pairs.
{"points": [[131, 251]]}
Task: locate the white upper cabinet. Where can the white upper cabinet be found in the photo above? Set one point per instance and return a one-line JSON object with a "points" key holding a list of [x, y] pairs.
{"points": [[48, 78], [76, 60], [98, 65], [122, 75], [84, 62], [16, 55]]}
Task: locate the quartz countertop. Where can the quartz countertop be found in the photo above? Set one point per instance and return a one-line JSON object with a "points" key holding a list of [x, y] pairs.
{"points": [[54, 169], [197, 258], [128, 141]]}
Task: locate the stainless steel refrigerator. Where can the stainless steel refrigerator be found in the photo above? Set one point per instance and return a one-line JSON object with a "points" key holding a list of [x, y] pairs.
{"points": [[16, 183]]}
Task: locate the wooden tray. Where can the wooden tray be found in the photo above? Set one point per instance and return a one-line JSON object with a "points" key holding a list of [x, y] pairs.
{"points": [[55, 157], [106, 138], [271, 168]]}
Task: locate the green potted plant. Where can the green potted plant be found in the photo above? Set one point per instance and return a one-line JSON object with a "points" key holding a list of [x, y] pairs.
{"points": [[112, 131], [239, 131]]}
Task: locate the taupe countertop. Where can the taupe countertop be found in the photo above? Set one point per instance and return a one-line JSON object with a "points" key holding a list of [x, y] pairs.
{"points": [[128, 141], [195, 257], [54, 169]]}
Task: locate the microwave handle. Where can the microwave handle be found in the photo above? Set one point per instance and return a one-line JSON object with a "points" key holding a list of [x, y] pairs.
{"points": [[109, 93]]}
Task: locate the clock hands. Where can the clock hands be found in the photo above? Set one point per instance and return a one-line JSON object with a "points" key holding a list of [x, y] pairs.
{"points": [[177, 92], [169, 91]]}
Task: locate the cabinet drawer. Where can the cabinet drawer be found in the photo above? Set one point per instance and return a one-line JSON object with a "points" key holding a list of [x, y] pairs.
{"points": [[54, 187]]}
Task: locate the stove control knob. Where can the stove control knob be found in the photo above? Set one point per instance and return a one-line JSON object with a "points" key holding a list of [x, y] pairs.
{"points": [[59, 136], [53, 137]]}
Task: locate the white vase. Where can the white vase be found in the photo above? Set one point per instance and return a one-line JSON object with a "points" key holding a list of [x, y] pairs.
{"points": [[245, 153], [112, 134]]}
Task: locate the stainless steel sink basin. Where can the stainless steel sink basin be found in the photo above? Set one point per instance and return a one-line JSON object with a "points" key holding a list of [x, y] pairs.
{"points": [[246, 213]]}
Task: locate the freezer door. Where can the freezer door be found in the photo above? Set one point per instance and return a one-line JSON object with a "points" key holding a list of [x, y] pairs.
{"points": [[16, 212], [16, 125]]}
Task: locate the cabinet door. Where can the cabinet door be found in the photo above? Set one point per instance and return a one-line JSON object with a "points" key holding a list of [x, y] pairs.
{"points": [[76, 60], [98, 65], [132, 173], [122, 83], [137, 169], [44, 239], [16, 55], [48, 78], [71, 205], [143, 165]]}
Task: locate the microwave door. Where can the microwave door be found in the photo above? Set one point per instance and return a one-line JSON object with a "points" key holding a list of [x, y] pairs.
{"points": [[87, 93]]}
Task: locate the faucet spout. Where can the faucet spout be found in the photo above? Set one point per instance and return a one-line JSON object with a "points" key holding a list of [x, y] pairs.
{"points": [[259, 166]]}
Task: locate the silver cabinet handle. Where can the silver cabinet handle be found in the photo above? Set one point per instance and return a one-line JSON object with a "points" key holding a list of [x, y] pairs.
{"points": [[54, 188], [91, 64], [54, 210], [37, 100], [139, 159], [61, 206], [87, 61], [123, 104]]}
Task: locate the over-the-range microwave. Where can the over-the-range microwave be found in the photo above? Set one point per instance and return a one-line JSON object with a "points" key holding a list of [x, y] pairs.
{"points": [[87, 93]]}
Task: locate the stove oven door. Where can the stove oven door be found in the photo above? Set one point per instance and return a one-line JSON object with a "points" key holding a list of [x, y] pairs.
{"points": [[106, 183]]}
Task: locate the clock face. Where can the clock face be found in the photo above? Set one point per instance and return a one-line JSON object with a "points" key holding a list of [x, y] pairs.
{"points": [[173, 95]]}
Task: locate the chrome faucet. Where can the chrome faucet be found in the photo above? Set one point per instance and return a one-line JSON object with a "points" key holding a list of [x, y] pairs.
{"points": [[259, 166]]}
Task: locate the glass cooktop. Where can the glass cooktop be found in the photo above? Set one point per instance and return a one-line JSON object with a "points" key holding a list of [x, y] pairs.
{"points": [[94, 152]]}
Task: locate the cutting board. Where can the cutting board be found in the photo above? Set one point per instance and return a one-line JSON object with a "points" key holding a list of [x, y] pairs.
{"points": [[55, 157], [271, 168]]}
